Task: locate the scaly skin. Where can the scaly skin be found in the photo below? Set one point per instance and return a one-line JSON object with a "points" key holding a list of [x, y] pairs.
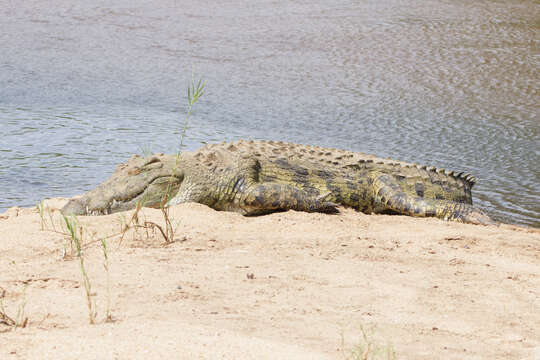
{"points": [[258, 177]]}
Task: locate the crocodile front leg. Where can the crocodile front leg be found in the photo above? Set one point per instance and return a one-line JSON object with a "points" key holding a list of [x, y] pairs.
{"points": [[189, 191], [240, 190], [267, 197], [389, 197]]}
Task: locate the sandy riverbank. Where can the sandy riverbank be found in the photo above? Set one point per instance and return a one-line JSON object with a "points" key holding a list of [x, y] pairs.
{"points": [[283, 286]]}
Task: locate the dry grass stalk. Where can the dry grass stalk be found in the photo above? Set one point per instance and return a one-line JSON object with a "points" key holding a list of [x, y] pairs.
{"points": [[20, 321]]}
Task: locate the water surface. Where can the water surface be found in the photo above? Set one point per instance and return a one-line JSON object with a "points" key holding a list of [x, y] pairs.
{"points": [[83, 85]]}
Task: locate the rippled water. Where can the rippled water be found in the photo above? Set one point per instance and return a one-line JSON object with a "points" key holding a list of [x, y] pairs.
{"points": [[448, 83]]}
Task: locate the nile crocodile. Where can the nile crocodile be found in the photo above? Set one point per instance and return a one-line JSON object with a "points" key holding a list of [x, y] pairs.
{"points": [[259, 177]]}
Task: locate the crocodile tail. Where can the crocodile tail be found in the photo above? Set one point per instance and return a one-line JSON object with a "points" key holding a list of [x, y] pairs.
{"points": [[466, 178]]}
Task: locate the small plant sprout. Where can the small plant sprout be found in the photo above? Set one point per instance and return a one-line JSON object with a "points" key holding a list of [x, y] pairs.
{"points": [[39, 207], [71, 225], [21, 319], [42, 209], [367, 348], [51, 218], [108, 316], [194, 93], [146, 150]]}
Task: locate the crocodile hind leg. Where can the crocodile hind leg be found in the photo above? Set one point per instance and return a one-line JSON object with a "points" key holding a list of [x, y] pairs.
{"points": [[389, 197], [255, 196]]}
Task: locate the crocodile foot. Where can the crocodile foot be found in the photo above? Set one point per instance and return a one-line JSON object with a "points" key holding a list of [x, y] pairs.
{"points": [[476, 217], [323, 206]]}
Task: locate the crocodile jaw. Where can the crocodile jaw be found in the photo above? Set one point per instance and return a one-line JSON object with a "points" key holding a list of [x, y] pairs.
{"points": [[144, 180], [82, 206], [98, 202]]}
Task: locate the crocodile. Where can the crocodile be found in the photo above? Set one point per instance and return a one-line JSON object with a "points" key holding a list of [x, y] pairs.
{"points": [[260, 177]]}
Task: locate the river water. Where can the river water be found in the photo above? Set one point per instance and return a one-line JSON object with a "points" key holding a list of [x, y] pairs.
{"points": [[455, 84]]}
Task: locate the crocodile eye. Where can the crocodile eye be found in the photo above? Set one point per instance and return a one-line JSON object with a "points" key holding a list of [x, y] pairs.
{"points": [[153, 163], [152, 160]]}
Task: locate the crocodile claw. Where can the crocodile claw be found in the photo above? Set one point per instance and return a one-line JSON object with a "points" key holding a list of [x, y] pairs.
{"points": [[327, 207]]}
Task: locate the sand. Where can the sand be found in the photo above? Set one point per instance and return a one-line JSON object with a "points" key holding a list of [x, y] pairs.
{"points": [[283, 286]]}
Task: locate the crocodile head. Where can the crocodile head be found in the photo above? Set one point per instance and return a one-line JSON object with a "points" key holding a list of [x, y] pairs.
{"points": [[144, 180]]}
